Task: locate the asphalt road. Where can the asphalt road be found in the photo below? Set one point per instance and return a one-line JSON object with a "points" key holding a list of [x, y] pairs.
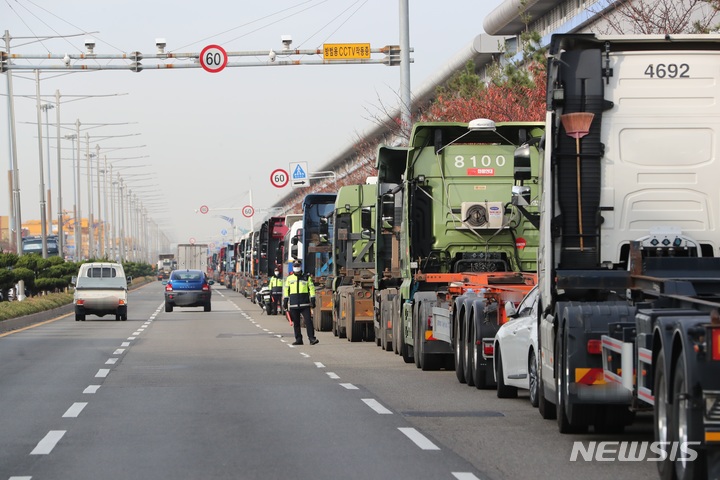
{"points": [[223, 395]]}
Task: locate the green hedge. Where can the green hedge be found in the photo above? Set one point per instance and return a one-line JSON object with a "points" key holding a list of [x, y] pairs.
{"points": [[34, 305]]}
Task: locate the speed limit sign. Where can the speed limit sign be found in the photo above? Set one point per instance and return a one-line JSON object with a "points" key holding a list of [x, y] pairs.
{"points": [[279, 178], [248, 211], [204, 209], [213, 58]]}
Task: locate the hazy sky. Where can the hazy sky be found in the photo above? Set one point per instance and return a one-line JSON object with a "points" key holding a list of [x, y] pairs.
{"points": [[198, 138]]}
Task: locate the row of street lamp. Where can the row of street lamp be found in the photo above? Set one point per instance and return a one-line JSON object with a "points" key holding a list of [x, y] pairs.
{"points": [[142, 234]]}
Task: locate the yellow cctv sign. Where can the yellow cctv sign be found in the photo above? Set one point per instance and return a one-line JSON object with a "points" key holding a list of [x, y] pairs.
{"points": [[346, 51]]}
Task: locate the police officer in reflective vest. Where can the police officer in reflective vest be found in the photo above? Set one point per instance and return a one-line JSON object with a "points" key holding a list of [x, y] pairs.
{"points": [[299, 294], [276, 291]]}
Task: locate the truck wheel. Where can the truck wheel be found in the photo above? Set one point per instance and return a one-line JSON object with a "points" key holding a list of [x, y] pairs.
{"points": [[533, 388], [661, 415], [325, 321], [459, 343], [468, 351], [79, 317], [566, 424], [117, 317], [683, 422], [503, 391], [545, 407], [168, 307], [207, 307]]}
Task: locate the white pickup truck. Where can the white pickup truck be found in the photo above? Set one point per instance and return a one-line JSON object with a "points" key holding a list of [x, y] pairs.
{"points": [[101, 289]]}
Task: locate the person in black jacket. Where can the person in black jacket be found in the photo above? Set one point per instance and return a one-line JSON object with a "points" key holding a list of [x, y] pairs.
{"points": [[299, 293]]}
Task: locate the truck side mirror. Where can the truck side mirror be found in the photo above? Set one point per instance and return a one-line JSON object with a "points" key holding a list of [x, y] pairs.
{"points": [[129, 280]]}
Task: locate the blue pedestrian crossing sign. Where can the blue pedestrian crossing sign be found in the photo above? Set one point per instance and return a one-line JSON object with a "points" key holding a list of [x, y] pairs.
{"points": [[299, 174]]}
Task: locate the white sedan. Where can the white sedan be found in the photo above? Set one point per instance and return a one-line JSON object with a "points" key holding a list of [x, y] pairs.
{"points": [[516, 350]]}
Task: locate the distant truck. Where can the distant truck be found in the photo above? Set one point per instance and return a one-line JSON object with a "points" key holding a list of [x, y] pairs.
{"points": [[165, 265], [192, 256]]}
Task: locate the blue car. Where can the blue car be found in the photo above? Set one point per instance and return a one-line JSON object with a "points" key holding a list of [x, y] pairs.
{"points": [[187, 288]]}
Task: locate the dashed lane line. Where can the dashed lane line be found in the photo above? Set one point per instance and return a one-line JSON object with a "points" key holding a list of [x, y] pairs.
{"points": [[419, 439], [375, 405], [91, 389], [46, 445], [75, 410], [464, 476]]}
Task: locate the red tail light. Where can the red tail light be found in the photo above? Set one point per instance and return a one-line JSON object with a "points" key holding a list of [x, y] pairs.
{"points": [[594, 347], [716, 343], [488, 349], [168, 287], [80, 301], [205, 287]]}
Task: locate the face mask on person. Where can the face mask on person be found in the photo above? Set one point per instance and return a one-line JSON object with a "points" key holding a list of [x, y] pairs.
{"points": [[296, 269]]}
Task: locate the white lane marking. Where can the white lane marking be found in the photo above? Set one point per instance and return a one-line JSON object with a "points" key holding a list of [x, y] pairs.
{"points": [[102, 373], [279, 336], [138, 332], [375, 405], [74, 410], [305, 354], [265, 330], [283, 340], [119, 351], [319, 365], [47, 444], [125, 344], [131, 338], [111, 361], [349, 386], [91, 389], [20, 478], [147, 323], [419, 439], [464, 476], [333, 375]]}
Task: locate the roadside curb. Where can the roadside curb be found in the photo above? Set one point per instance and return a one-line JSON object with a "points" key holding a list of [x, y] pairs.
{"points": [[25, 321]]}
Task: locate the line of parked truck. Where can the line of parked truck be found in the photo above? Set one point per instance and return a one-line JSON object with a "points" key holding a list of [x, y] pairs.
{"points": [[609, 208]]}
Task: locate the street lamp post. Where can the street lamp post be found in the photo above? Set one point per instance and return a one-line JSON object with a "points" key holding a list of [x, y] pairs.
{"points": [[43, 225], [45, 107], [61, 220], [78, 216], [91, 233], [77, 226]]}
